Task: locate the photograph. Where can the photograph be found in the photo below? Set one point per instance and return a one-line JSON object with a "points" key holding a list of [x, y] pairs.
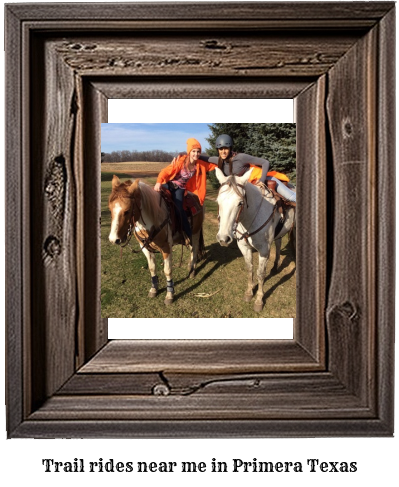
{"points": [[148, 219], [198, 220]]}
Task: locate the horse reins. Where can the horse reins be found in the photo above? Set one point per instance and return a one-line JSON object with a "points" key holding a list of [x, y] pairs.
{"points": [[246, 234]]}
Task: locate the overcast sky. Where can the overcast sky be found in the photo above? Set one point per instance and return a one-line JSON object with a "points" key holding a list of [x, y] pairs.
{"points": [[169, 137]]}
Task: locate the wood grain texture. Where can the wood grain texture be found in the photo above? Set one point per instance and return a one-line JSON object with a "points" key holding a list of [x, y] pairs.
{"points": [[185, 384], [385, 225], [15, 258], [252, 428], [187, 389], [205, 54], [113, 384], [136, 87], [203, 407], [312, 241], [351, 109], [359, 13], [53, 209], [95, 329], [200, 356], [268, 396]]}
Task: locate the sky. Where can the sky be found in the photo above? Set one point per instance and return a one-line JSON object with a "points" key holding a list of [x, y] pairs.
{"points": [[170, 137]]}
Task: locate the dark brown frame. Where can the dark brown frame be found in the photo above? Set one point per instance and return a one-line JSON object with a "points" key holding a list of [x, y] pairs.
{"points": [[64, 379]]}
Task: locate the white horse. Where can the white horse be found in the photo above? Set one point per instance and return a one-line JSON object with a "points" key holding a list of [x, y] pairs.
{"points": [[250, 217]]}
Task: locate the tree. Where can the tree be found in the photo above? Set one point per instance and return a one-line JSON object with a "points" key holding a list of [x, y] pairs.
{"points": [[275, 142], [134, 156], [237, 131]]}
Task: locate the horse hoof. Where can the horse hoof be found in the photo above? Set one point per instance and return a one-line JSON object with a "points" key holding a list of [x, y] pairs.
{"points": [[168, 301], [152, 293], [258, 307], [191, 275], [248, 298]]}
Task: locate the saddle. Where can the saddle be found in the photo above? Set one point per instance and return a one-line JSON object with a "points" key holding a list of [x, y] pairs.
{"points": [[282, 204], [191, 205]]}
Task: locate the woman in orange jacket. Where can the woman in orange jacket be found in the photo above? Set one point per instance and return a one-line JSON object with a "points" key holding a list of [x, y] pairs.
{"points": [[186, 173]]}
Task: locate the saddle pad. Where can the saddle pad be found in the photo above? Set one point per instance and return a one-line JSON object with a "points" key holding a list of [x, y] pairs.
{"points": [[191, 203], [278, 175]]}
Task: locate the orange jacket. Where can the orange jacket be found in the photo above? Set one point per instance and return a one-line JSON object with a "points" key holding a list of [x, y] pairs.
{"points": [[257, 172], [197, 184]]}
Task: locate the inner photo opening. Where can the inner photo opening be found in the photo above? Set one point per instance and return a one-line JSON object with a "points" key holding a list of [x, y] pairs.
{"points": [[140, 140]]}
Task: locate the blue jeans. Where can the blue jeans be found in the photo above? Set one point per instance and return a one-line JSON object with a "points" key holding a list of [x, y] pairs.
{"points": [[282, 189], [178, 197]]}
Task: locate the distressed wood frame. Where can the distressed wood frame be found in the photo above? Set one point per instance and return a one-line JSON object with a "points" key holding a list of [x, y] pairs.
{"points": [[64, 378]]}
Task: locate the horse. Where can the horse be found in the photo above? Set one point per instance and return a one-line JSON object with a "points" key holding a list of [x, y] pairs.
{"points": [[252, 218], [138, 209]]}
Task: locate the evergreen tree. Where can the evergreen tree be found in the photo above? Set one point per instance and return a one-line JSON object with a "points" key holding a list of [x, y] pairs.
{"points": [[237, 131], [275, 142]]}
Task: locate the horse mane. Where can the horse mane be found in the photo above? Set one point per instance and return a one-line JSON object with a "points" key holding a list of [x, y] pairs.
{"points": [[149, 197], [232, 184], [150, 201], [121, 191], [233, 181]]}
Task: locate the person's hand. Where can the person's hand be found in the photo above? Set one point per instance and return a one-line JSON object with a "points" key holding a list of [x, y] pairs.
{"points": [[176, 158], [157, 187]]}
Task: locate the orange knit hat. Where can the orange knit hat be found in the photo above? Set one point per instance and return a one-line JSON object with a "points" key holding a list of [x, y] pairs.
{"points": [[192, 144]]}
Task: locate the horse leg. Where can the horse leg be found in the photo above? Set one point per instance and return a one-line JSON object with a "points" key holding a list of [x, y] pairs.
{"points": [[278, 250], [153, 271], [196, 237], [167, 267], [258, 305], [247, 254], [194, 254]]}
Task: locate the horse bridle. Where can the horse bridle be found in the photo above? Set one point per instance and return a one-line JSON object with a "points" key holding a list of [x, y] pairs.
{"points": [[243, 196], [132, 225], [146, 242]]}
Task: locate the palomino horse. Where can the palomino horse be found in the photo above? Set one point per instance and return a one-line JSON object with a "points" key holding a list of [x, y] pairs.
{"points": [[137, 209], [251, 218]]}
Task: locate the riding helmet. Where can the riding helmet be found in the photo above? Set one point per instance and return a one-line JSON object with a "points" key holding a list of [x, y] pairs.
{"points": [[224, 141]]}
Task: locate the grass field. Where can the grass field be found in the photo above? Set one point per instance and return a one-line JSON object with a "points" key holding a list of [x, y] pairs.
{"points": [[220, 283]]}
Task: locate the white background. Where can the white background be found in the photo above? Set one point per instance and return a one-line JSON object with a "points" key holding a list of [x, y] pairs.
{"points": [[21, 460]]}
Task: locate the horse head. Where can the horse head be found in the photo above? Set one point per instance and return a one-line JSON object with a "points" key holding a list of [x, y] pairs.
{"points": [[123, 200], [231, 199]]}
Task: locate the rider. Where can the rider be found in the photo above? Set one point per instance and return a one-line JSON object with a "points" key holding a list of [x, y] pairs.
{"points": [[231, 163], [186, 173]]}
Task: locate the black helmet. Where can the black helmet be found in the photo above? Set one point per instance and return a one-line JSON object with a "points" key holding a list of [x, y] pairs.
{"points": [[224, 141]]}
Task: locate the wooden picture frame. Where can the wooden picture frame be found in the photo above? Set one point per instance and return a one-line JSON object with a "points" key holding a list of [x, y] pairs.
{"points": [[64, 378]]}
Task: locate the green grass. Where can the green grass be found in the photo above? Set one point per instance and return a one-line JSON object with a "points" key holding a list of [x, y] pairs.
{"points": [[125, 279], [107, 176]]}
